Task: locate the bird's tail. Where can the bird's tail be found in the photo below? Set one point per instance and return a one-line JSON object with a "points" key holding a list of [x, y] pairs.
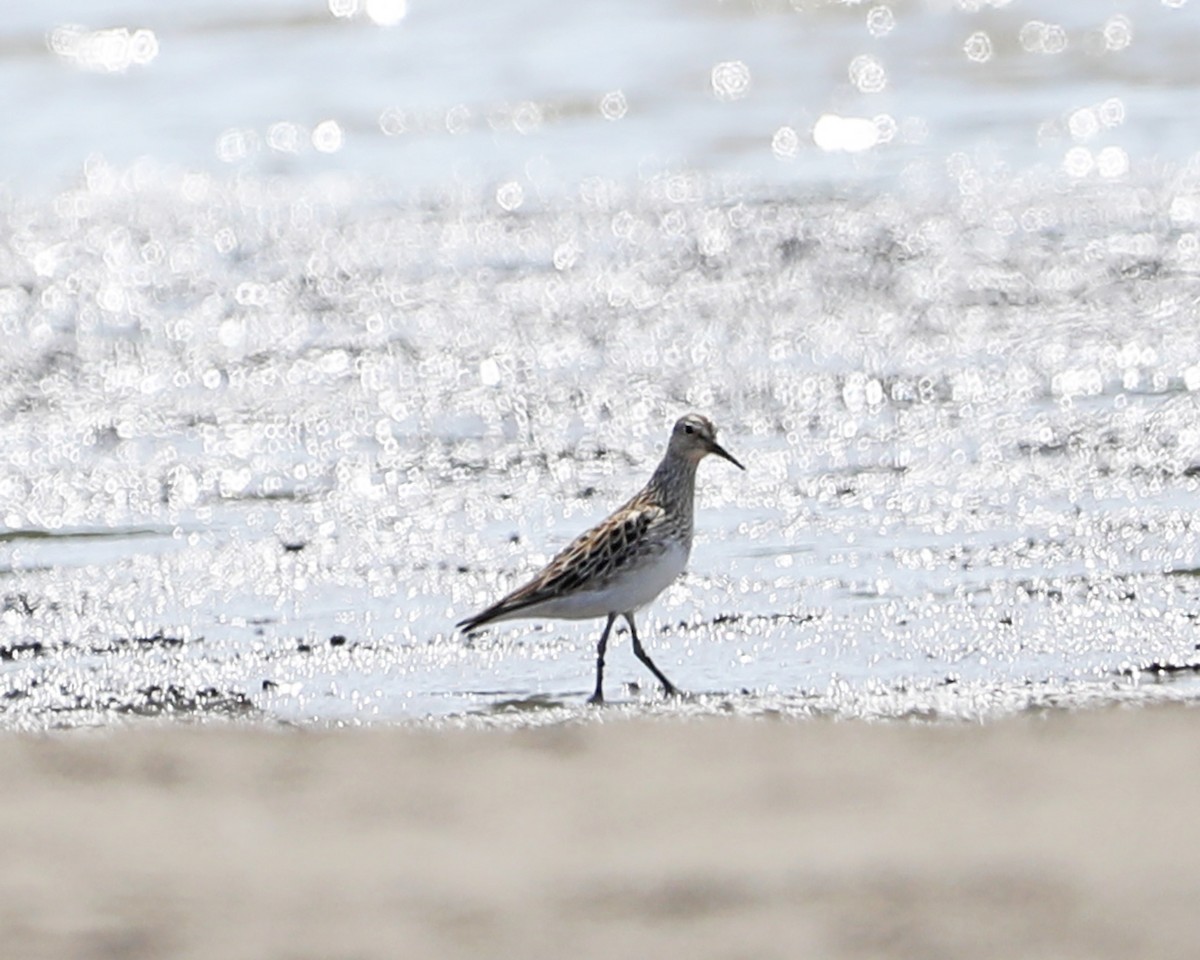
{"points": [[501, 610], [470, 623]]}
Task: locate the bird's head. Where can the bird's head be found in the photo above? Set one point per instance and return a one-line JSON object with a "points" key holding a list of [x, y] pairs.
{"points": [[694, 437]]}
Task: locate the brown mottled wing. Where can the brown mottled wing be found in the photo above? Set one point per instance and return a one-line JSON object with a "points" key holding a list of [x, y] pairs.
{"points": [[582, 560]]}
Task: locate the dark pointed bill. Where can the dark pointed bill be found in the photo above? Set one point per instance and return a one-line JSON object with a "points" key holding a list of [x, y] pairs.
{"points": [[720, 451]]}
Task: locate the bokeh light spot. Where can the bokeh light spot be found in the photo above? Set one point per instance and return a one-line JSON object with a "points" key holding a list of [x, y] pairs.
{"points": [[1118, 33], [1112, 162], [613, 105], [1083, 124], [527, 117], [867, 74], [565, 256], [510, 195], [1078, 162], [1111, 112], [786, 143], [236, 144], [489, 372], [886, 128], [327, 136], [393, 122], [1037, 36], [845, 134], [880, 21], [978, 47], [103, 51], [284, 137], [386, 13], [730, 80], [458, 119]]}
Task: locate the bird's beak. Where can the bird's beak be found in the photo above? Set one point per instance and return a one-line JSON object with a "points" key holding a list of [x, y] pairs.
{"points": [[720, 451]]}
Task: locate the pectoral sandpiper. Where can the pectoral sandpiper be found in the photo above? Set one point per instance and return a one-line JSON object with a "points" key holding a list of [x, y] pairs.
{"points": [[627, 560]]}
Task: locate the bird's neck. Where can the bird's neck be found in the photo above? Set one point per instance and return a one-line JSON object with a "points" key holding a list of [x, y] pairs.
{"points": [[674, 485]]}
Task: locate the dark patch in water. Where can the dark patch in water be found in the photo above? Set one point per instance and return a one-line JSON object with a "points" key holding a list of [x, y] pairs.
{"points": [[116, 533], [726, 618], [20, 603], [19, 651], [158, 639], [155, 700], [532, 703], [1161, 671]]}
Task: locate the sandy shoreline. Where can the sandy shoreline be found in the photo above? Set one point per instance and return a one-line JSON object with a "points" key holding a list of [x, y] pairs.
{"points": [[1066, 835]]}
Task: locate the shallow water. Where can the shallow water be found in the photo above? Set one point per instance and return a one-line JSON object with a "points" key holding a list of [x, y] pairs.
{"points": [[271, 425]]}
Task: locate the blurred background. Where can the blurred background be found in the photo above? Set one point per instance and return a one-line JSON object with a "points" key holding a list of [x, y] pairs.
{"points": [[326, 323], [540, 96]]}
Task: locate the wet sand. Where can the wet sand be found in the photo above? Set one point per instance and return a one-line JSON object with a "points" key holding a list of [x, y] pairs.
{"points": [[1064, 835]]}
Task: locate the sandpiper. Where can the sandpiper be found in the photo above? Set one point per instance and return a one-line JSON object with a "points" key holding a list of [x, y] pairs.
{"points": [[624, 562]]}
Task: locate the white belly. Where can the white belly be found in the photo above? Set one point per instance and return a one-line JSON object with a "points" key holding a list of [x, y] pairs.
{"points": [[625, 594]]}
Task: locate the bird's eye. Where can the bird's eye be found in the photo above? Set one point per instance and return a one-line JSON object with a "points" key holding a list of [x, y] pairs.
{"points": [[689, 429]]}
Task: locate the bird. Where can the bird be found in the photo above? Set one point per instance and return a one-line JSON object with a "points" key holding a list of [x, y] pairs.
{"points": [[624, 562]]}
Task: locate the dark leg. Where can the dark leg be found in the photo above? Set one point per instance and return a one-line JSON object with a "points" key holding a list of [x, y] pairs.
{"points": [[598, 696], [668, 687]]}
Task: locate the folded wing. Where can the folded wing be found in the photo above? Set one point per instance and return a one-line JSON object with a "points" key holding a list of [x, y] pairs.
{"points": [[593, 557]]}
